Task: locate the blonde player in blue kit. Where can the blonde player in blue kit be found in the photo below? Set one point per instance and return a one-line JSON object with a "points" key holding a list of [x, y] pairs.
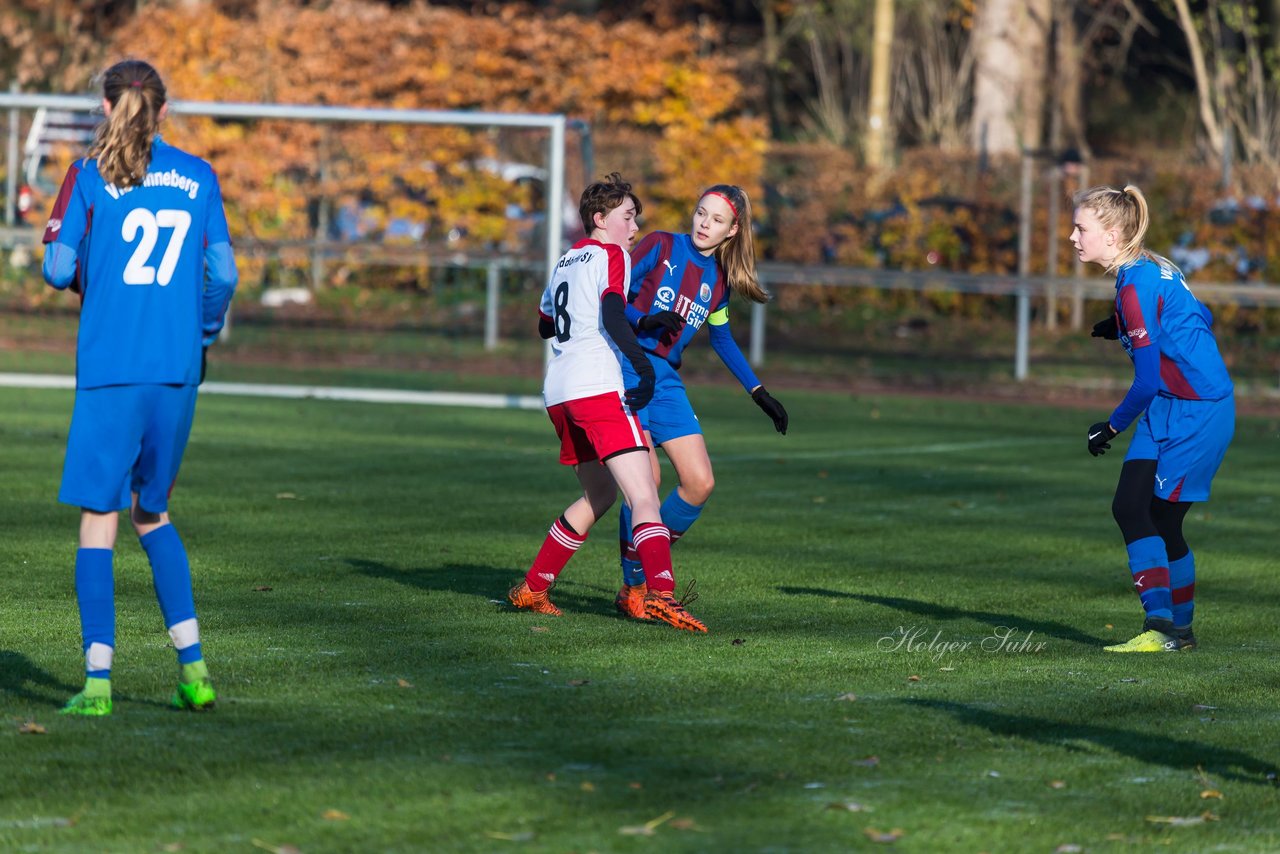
{"points": [[1186, 401], [139, 230]]}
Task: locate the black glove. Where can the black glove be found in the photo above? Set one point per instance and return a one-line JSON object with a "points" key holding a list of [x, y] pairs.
{"points": [[668, 321], [772, 408], [204, 364], [1100, 436], [639, 395], [1107, 329]]}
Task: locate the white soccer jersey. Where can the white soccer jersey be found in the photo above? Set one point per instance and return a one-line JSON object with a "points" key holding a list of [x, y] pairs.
{"points": [[585, 361]]}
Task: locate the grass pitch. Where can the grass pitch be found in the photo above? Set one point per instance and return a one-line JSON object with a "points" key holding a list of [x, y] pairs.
{"points": [[907, 601]]}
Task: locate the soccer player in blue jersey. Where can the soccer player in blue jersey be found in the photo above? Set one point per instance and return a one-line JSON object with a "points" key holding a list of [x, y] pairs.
{"points": [[139, 231], [1184, 395], [679, 283]]}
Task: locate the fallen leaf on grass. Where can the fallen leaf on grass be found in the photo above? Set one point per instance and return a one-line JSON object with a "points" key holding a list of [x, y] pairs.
{"points": [[276, 849], [539, 629], [588, 786], [171, 847], [849, 698], [684, 824], [847, 806], [285, 496], [1129, 679], [32, 728], [523, 836], [578, 683], [1110, 626], [946, 669], [1057, 784], [647, 828], [913, 678], [883, 836], [869, 762], [1208, 794], [1183, 821], [634, 785], [404, 683], [335, 815]]}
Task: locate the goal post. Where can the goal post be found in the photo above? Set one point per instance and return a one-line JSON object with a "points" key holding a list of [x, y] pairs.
{"points": [[554, 124]]}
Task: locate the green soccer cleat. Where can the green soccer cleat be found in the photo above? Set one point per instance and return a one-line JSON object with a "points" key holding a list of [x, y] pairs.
{"points": [[93, 702], [195, 696], [195, 689], [1149, 641]]}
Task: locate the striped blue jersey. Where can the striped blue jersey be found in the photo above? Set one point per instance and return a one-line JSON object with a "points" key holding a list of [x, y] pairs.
{"points": [[153, 266], [668, 273], [1169, 335]]}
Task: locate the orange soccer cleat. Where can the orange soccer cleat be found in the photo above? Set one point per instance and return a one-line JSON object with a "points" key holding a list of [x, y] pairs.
{"points": [[666, 607], [630, 601], [525, 599]]}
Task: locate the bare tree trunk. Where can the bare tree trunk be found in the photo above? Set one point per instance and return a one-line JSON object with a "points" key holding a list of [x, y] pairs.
{"points": [[877, 141], [1069, 80], [1204, 85], [1011, 39], [775, 101]]}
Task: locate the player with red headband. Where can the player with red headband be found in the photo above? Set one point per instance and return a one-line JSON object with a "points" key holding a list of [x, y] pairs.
{"points": [[679, 283]]}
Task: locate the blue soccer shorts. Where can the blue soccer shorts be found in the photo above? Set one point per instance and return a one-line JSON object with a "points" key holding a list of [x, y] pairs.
{"points": [[126, 439], [669, 415], [1187, 439]]}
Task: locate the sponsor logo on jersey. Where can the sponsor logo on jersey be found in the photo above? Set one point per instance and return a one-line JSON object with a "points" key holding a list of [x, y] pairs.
{"points": [[694, 314], [662, 299], [570, 260], [704, 292], [1138, 334], [1160, 481], [172, 178], [55, 225], [670, 268]]}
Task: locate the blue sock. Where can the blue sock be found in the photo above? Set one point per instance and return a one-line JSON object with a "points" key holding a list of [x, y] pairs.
{"points": [[1182, 580], [679, 515], [95, 594], [171, 573], [632, 572], [1149, 565]]}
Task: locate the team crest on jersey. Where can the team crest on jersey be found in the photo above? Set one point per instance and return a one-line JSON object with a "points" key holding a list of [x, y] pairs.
{"points": [[664, 297], [704, 292]]}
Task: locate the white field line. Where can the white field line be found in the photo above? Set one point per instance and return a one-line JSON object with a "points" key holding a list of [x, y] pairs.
{"points": [[363, 395]]}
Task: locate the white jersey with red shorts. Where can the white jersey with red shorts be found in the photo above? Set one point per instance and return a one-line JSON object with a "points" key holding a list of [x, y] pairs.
{"points": [[583, 385]]}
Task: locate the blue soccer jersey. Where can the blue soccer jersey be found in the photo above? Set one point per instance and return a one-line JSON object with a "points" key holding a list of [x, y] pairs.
{"points": [[1168, 334], [668, 273], [153, 265]]}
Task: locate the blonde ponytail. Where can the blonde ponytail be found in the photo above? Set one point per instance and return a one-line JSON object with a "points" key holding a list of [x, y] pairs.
{"points": [[122, 144]]}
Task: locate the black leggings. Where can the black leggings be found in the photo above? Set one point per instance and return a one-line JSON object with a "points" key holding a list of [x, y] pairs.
{"points": [[1141, 514]]}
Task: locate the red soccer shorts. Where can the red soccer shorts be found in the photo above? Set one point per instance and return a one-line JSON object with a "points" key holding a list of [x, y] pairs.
{"points": [[595, 428]]}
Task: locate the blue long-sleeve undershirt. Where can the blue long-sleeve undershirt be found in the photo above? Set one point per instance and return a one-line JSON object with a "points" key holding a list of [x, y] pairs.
{"points": [[727, 349], [1146, 384]]}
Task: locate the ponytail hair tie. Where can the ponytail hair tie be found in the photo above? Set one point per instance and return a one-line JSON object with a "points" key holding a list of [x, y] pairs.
{"points": [[137, 84]]}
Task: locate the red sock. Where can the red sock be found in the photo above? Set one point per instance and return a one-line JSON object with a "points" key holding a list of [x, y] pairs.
{"points": [[653, 544], [561, 542]]}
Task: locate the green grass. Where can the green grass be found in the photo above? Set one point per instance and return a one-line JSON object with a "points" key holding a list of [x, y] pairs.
{"points": [[376, 694]]}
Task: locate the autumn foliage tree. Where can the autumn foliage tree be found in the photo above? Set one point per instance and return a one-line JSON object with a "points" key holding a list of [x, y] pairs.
{"points": [[423, 57]]}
